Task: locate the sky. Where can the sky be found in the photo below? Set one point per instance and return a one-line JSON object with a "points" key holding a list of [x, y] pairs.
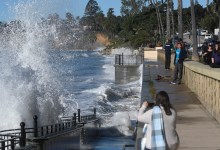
{"points": [[76, 7]]}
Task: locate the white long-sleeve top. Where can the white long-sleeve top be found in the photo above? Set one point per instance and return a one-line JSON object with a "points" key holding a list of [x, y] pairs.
{"points": [[169, 126]]}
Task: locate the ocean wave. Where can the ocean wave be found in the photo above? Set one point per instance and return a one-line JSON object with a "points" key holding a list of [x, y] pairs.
{"points": [[66, 56], [84, 55]]}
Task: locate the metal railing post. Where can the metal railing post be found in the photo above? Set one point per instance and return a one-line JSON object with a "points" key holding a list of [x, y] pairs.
{"points": [[12, 144], [79, 117], [82, 136], [42, 131], [47, 130], [74, 119], [122, 59], [22, 142], [60, 127], [3, 145], [136, 59], [63, 126], [94, 113], [51, 129], [35, 126], [55, 128]]}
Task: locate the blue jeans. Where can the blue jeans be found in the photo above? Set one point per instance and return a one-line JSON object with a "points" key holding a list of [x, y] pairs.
{"points": [[178, 73]]}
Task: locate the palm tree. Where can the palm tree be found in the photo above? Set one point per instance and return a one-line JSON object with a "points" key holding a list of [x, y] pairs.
{"points": [[218, 6], [160, 23], [172, 20], [195, 54], [180, 18], [168, 19], [207, 4], [132, 7]]}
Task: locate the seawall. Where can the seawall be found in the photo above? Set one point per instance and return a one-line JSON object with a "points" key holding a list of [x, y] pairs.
{"points": [[204, 81]]}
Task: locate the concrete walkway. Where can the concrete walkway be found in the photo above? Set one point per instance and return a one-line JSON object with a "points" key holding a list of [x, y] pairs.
{"points": [[197, 129]]}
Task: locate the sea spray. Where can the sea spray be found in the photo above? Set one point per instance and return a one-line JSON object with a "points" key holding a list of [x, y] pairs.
{"points": [[122, 50], [28, 83], [49, 83]]}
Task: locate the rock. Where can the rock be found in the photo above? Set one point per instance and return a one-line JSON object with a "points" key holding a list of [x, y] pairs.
{"points": [[106, 51]]}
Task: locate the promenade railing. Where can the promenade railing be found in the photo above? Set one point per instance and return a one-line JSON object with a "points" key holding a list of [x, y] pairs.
{"points": [[10, 139], [121, 59]]}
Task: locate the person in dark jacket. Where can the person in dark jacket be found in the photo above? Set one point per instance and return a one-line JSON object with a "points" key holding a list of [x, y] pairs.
{"points": [[180, 56], [167, 47], [216, 56]]}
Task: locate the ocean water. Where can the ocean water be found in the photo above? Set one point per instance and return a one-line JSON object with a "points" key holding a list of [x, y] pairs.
{"points": [[76, 79], [38, 80], [87, 81]]}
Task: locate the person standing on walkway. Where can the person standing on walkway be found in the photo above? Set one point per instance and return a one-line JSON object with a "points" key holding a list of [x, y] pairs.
{"points": [[167, 47], [180, 56], [216, 56], [161, 124]]}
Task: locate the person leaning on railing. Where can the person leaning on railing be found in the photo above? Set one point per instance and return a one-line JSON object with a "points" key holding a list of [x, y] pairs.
{"points": [[216, 56], [207, 54]]}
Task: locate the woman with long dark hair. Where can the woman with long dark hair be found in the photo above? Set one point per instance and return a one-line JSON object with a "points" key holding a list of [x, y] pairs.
{"points": [[161, 124], [207, 55]]}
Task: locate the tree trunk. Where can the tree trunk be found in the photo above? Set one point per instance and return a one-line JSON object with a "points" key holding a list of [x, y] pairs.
{"points": [[135, 7], [172, 20], [161, 31], [195, 53], [168, 19], [161, 24], [207, 4], [158, 20], [218, 4], [180, 19]]}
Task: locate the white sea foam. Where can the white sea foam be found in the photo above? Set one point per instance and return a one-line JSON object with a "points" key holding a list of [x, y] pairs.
{"points": [[109, 72], [100, 90], [85, 55], [99, 49], [30, 86], [121, 120], [28, 83], [124, 50], [131, 94]]}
